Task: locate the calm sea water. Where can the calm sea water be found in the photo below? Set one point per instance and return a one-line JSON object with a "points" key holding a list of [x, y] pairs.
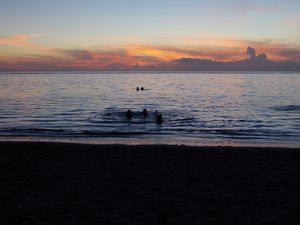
{"points": [[197, 108]]}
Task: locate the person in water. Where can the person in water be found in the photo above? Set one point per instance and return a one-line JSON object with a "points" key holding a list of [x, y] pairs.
{"points": [[128, 114], [158, 117], [137, 88], [145, 113], [142, 88]]}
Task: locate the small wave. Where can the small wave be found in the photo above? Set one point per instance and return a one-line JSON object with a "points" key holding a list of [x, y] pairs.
{"points": [[33, 130], [257, 133], [237, 132], [287, 108], [111, 133], [120, 117], [46, 129]]}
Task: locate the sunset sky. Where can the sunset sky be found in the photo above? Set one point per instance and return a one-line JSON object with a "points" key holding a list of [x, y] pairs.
{"points": [[95, 34]]}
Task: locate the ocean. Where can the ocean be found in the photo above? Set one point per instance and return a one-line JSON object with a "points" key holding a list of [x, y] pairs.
{"points": [[198, 108]]}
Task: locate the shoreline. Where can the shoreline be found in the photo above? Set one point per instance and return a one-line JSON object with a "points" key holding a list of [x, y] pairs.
{"points": [[136, 146], [190, 142], [59, 183]]}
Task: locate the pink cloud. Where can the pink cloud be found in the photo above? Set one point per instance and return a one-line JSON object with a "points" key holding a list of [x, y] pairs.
{"points": [[125, 57], [22, 40], [248, 7]]}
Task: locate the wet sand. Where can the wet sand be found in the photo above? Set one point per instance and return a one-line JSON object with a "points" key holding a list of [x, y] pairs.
{"points": [[55, 183]]}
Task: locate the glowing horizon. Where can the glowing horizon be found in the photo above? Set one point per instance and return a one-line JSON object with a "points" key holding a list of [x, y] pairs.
{"points": [[100, 34]]}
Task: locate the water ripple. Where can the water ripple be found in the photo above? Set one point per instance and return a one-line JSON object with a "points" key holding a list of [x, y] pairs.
{"points": [[200, 105]]}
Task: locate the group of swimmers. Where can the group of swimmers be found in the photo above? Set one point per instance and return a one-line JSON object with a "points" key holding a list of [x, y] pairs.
{"points": [[142, 88], [158, 116]]}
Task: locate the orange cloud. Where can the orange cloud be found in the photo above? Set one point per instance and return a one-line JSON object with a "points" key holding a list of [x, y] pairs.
{"points": [[127, 56], [168, 53]]}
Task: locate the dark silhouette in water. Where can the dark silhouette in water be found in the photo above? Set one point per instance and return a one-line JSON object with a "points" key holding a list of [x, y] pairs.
{"points": [[137, 88], [145, 113], [158, 117], [128, 114], [142, 88]]}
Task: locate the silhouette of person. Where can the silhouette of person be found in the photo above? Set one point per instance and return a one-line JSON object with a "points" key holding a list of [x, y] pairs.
{"points": [[137, 88], [142, 88], [145, 113], [128, 114], [158, 117]]}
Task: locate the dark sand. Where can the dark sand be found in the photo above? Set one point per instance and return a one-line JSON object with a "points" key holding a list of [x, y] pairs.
{"points": [[49, 183]]}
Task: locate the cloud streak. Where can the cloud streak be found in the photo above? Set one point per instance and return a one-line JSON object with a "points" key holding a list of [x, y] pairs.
{"points": [[137, 55], [250, 7], [23, 40]]}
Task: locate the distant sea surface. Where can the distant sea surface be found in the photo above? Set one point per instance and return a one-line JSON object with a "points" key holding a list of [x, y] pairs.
{"points": [[205, 108]]}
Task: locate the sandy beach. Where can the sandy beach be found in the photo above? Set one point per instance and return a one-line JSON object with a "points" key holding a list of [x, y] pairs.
{"points": [[56, 183]]}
